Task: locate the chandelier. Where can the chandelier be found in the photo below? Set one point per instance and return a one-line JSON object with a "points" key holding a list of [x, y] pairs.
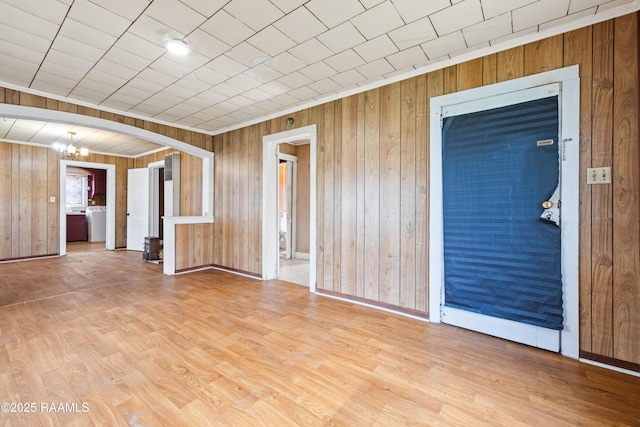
{"points": [[70, 152]]}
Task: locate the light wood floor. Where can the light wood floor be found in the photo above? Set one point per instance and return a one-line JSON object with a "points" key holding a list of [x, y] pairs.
{"points": [[209, 348]]}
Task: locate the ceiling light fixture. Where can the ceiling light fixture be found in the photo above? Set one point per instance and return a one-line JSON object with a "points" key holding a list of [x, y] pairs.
{"points": [[70, 152], [177, 46]]}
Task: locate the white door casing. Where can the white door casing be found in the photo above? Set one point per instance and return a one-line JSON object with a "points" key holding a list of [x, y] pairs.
{"points": [[137, 208]]}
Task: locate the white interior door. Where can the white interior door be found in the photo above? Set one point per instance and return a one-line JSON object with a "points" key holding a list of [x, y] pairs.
{"points": [[137, 208]]}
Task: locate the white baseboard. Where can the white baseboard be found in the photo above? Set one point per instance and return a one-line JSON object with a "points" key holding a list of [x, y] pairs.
{"points": [[302, 255]]}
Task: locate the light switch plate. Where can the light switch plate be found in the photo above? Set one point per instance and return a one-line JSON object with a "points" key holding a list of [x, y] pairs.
{"points": [[599, 175], [52, 199]]}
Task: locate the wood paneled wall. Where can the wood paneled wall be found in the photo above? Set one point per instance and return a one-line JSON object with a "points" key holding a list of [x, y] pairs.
{"points": [[373, 184], [193, 246], [30, 175]]}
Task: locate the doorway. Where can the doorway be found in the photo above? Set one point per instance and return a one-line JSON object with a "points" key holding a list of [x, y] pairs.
{"points": [[270, 213], [474, 279]]}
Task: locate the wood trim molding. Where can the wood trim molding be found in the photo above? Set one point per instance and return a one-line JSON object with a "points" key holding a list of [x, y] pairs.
{"points": [[610, 361]]}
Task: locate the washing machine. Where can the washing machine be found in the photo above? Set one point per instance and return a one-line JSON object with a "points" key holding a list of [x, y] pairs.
{"points": [[97, 223]]}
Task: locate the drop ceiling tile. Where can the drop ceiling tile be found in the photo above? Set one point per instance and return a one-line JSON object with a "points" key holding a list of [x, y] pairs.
{"points": [[204, 43], [263, 73], [165, 98], [377, 48], [325, 86], [304, 93], [334, 12], [180, 91], [345, 60], [147, 109], [11, 50], [205, 99], [490, 29], [411, 10], [125, 97], [284, 100], [227, 28], [191, 82], [318, 71], [140, 47], [376, 68], [342, 37], [240, 101], [285, 63], [275, 88], [77, 65], [52, 11], [172, 68], [127, 59], [108, 67], [469, 50], [295, 80], [413, 34], [612, 5], [288, 5], [142, 85], [370, 3], [378, 20], [205, 7], [76, 48], [176, 15], [99, 18], [54, 79], [348, 78], [456, 17], [155, 76], [25, 40], [226, 89], [257, 95], [257, 14], [128, 9], [16, 18], [96, 91], [271, 40], [492, 8], [580, 5], [243, 82], [85, 34], [227, 66], [247, 54], [538, 13], [121, 106], [408, 57], [152, 30], [568, 19], [209, 75], [310, 51], [300, 25], [37, 84], [444, 45], [108, 78], [515, 35]]}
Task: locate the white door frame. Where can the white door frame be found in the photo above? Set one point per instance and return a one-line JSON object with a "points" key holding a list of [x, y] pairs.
{"points": [[154, 200], [292, 171], [270, 226], [568, 79], [110, 243]]}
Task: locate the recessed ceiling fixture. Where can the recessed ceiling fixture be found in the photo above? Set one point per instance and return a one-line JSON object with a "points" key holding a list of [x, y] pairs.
{"points": [[177, 46]]}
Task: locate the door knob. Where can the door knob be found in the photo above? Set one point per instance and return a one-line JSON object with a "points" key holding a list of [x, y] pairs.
{"points": [[547, 204]]}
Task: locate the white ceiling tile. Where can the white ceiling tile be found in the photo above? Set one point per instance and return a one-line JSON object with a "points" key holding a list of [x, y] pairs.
{"points": [[311, 51], [176, 15], [192, 83], [205, 7], [376, 48], [579, 5], [52, 11], [72, 62], [16, 18], [83, 33], [226, 89], [370, 3], [209, 75], [240, 101], [300, 25], [76, 48], [152, 30], [243, 82], [284, 99], [227, 66], [456, 17], [11, 50], [285, 63], [97, 91], [538, 13], [128, 9], [108, 78], [26, 40], [444, 45], [318, 71], [257, 95], [60, 81], [99, 18], [180, 91], [492, 8], [408, 57], [568, 19], [275, 88], [490, 29], [205, 99], [271, 41], [325, 86], [62, 70], [286, 5], [166, 98], [515, 35], [348, 78], [40, 84], [247, 54], [257, 14], [411, 10], [376, 68], [263, 73], [206, 44], [334, 12], [227, 28], [142, 85], [378, 20], [303, 93], [295, 80], [612, 5], [127, 59], [172, 68], [128, 97], [342, 37], [155, 76], [117, 70], [140, 47], [469, 50], [345, 60], [413, 34]]}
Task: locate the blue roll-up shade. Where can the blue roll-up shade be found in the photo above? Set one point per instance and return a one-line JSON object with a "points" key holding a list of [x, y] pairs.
{"points": [[500, 258]]}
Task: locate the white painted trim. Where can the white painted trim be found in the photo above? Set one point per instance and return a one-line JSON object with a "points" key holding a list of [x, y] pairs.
{"points": [[169, 235], [377, 307], [611, 367], [110, 230], [154, 199], [270, 199], [302, 255], [568, 80]]}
